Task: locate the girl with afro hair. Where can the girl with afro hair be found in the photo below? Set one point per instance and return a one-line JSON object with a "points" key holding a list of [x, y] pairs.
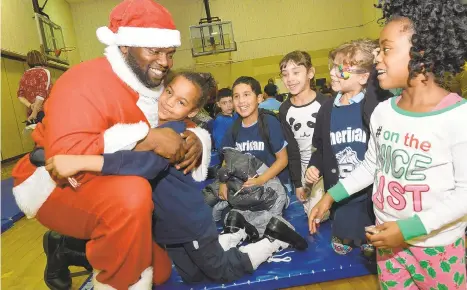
{"points": [[417, 153]]}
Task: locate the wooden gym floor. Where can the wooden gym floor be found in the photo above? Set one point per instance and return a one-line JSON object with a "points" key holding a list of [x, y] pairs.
{"points": [[23, 259]]}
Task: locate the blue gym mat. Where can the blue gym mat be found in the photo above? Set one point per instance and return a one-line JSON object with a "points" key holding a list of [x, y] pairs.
{"points": [[10, 211], [317, 264]]}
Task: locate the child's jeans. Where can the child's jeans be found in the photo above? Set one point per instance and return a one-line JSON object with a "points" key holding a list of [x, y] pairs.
{"points": [[423, 268]]}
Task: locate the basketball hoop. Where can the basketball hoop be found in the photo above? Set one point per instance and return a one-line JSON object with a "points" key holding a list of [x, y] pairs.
{"points": [[59, 51], [212, 38]]}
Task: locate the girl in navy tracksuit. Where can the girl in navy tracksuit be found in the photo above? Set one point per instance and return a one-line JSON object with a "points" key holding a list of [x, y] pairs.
{"points": [[341, 138]]}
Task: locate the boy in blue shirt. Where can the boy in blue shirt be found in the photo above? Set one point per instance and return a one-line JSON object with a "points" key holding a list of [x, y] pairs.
{"points": [[182, 222], [270, 103], [248, 135], [225, 118]]}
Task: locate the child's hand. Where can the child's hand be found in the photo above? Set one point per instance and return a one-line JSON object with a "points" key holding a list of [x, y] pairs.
{"points": [[194, 152], [389, 236], [318, 211], [254, 181], [301, 194], [33, 116], [63, 166], [312, 175], [223, 191]]}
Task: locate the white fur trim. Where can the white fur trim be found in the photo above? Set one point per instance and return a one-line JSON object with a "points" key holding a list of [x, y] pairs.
{"points": [[124, 136], [201, 173], [124, 72], [105, 35], [31, 194], [149, 108], [144, 283], [140, 37]]}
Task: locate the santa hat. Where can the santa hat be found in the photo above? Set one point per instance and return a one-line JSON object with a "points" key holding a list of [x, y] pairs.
{"points": [[140, 23]]}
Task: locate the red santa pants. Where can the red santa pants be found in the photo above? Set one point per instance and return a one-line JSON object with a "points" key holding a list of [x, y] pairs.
{"points": [[114, 212]]}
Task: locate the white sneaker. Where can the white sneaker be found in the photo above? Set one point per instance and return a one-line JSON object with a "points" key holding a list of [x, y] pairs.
{"points": [[261, 251], [231, 240]]}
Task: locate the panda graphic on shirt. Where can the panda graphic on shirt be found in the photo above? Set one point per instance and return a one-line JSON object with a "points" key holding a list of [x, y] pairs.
{"points": [[302, 121]]}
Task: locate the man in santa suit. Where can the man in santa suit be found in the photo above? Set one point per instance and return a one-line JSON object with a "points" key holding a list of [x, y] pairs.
{"points": [[102, 106]]}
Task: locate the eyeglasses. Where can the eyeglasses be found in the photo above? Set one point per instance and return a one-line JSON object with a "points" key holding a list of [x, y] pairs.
{"points": [[344, 71]]}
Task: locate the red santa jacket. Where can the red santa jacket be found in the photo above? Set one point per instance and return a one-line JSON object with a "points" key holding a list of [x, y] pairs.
{"points": [[96, 107]]}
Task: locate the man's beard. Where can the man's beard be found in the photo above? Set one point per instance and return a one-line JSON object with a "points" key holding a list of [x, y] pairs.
{"points": [[142, 75]]}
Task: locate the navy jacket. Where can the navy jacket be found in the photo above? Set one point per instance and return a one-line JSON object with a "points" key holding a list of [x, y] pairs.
{"points": [[180, 213], [324, 158]]}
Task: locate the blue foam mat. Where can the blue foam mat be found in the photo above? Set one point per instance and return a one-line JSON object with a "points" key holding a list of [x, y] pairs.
{"points": [[6, 224], [10, 211], [317, 264]]}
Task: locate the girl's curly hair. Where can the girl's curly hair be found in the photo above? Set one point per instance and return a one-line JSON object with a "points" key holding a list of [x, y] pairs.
{"points": [[439, 34]]}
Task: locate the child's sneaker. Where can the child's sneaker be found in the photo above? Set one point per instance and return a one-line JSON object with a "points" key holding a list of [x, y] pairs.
{"points": [[231, 240], [369, 252], [339, 247]]}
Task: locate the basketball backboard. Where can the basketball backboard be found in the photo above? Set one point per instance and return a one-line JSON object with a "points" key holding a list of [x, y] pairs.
{"points": [[51, 38], [212, 38]]}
